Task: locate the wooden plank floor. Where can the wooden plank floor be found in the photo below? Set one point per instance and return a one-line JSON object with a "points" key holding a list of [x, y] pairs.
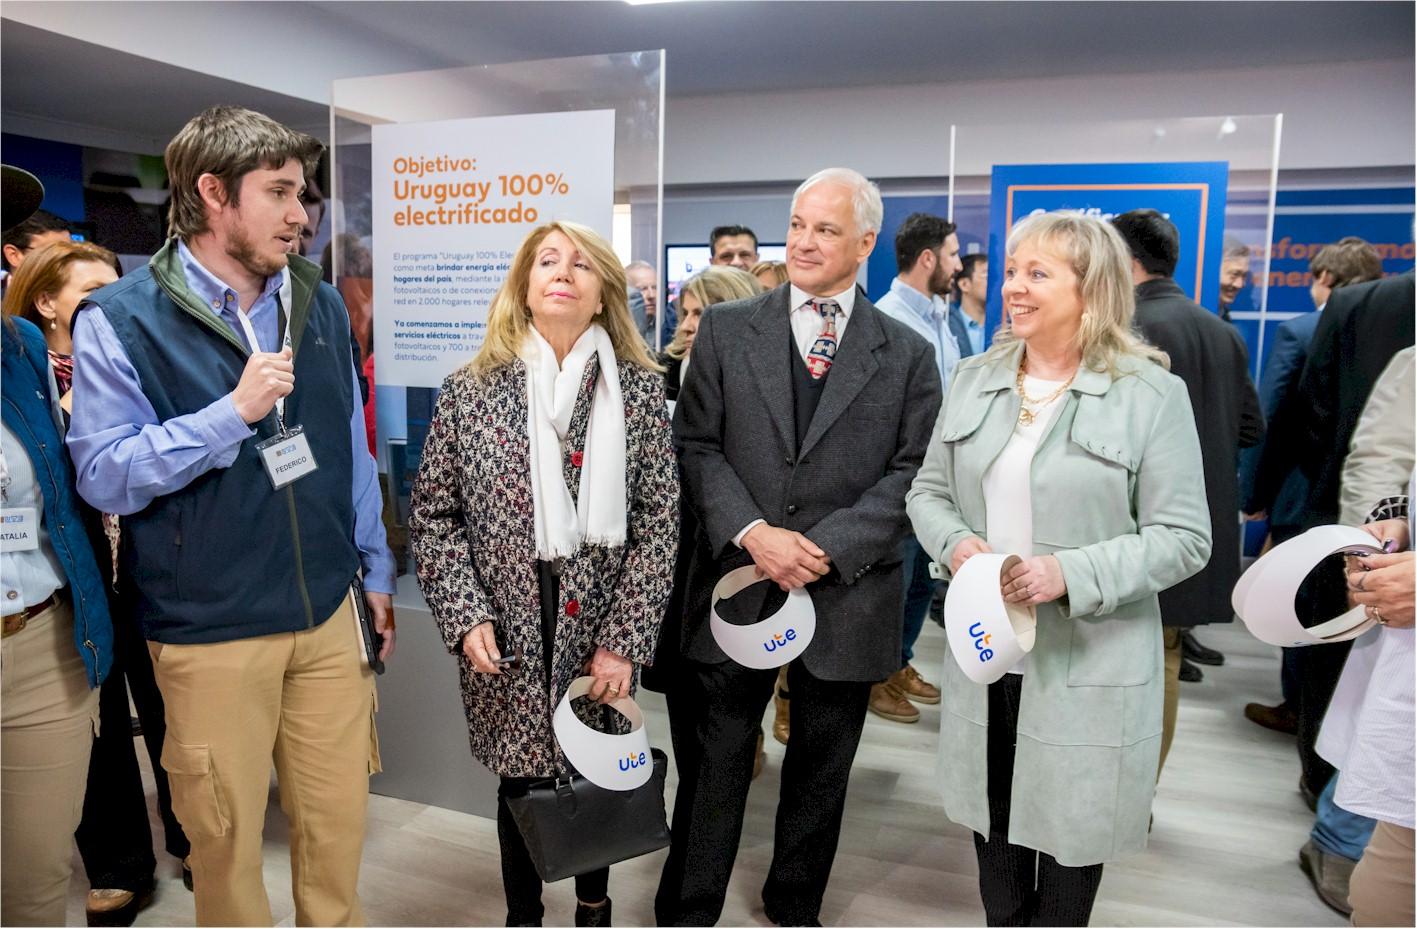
{"points": [[1229, 823]]}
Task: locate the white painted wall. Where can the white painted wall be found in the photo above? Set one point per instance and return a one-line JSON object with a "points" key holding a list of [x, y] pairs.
{"points": [[1335, 116], [1358, 114], [287, 47]]}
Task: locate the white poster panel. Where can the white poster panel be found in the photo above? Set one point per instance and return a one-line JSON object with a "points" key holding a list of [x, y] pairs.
{"points": [[452, 201]]}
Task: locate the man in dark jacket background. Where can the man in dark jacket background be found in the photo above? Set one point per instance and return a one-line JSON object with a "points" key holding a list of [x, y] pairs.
{"points": [[1279, 491], [1210, 357], [1359, 331]]}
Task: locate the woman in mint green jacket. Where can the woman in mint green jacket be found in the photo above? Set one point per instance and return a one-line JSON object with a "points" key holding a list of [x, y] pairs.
{"points": [[1069, 444]]}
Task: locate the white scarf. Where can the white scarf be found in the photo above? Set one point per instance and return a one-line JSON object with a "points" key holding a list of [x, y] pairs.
{"points": [[598, 515]]}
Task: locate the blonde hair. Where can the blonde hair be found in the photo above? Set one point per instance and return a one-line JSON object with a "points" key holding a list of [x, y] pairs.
{"points": [[509, 317], [1103, 265], [718, 284], [778, 269], [45, 273]]}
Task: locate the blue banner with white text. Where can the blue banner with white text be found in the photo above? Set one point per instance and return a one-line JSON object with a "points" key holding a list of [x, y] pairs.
{"points": [[1189, 193]]}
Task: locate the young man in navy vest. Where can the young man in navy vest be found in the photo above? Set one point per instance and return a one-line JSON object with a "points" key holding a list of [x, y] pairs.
{"points": [[216, 412]]}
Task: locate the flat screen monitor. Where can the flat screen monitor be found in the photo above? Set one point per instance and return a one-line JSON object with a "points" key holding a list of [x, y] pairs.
{"points": [[682, 262]]}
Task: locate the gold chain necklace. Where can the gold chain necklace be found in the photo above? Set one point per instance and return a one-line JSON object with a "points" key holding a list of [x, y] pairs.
{"points": [[1025, 415]]}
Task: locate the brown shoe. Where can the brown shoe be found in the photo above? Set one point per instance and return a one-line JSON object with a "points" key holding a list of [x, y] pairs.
{"points": [[1280, 718], [781, 707], [888, 702], [915, 687], [1329, 874], [109, 906], [760, 757]]}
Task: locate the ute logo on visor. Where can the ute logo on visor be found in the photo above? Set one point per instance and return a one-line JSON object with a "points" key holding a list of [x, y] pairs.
{"points": [[774, 641]]}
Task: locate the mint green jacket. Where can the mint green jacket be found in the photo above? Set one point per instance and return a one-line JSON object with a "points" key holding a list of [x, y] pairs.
{"points": [[1118, 497]]}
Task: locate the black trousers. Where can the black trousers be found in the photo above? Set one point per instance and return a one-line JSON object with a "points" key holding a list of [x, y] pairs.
{"points": [[114, 837], [520, 882], [1323, 595], [715, 712], [1021, 886], [1317, 669]]}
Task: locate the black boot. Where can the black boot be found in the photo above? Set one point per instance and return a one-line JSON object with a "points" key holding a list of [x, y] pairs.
{"points": [[1190, 673], [593, 915], [1192, 649]]}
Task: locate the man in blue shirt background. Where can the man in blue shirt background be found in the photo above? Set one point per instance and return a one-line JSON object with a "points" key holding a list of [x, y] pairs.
{"points": [[970, 293], [927, 260]]}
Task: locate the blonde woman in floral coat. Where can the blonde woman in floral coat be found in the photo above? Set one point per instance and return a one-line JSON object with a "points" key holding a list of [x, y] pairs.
{"points": [[545, 520]]}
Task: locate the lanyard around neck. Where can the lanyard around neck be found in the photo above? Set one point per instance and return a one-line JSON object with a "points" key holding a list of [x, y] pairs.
{"points": [[282, 321]]}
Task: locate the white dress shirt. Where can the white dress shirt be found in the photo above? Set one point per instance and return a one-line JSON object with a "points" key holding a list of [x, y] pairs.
{"points": [[807, 322], [806, 326], [1368, 730]]}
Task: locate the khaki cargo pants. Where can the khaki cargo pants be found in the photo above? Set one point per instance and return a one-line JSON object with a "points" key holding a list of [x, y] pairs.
{"points": [[305, 700]]}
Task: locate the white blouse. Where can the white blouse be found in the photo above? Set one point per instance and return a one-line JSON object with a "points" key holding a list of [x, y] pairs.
{"points": [[1008, 500], [1369, 731]]}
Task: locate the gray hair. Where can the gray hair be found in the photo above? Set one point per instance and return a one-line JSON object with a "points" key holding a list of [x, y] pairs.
{"points": [[865, 196], [638, 264], [1234, 248]]}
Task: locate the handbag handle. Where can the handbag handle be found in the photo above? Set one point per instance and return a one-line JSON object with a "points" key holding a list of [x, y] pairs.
{"points": [[565, 797]]}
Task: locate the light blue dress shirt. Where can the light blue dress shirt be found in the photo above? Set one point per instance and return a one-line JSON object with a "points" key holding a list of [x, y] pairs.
{"points": [[975, 329], [124, 458], [927, 316], [26, 578]]}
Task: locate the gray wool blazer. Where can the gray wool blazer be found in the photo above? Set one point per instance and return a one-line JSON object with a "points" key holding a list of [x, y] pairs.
{"points": [[736, 436]]}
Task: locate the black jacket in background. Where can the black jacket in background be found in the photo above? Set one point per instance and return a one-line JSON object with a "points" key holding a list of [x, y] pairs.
{"points": [[1362, 327], [1209, 355]]}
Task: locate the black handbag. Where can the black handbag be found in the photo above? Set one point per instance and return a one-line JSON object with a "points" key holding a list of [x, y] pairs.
{"points": [[571, 826]]}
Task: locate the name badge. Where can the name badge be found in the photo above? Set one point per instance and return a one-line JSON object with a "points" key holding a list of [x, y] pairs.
{"points": [[287, 457], [19, 529]]}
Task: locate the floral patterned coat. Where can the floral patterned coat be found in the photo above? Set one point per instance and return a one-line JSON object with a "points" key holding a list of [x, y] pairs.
{"points": [[474, 543]]}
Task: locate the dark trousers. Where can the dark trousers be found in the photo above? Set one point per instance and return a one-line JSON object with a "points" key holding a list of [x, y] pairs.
{"points": [[1318, 668], [114, 837], [1289, 658], [1289, 677], [520, 881], [1020, 886], [1323, 595], [715, 712], [919, 592]]}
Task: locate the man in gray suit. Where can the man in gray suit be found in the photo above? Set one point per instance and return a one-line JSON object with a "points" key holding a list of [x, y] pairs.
{"points": [[803, 419]]}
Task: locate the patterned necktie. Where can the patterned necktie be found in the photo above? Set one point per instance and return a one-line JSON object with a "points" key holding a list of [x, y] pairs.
{"points": [[823, 350]]}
